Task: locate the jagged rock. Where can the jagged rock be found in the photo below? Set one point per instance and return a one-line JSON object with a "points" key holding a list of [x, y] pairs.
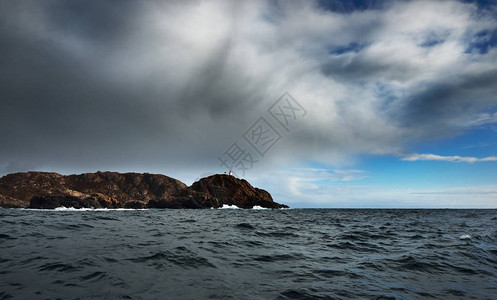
{"points": [[128, 190], [105, 201], [217, 190], [108, 189], [135, 204], [54, 201]]}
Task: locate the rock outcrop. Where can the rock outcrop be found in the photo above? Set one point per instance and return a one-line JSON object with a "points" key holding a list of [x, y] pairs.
{"points": [[101, 189], [216, 191], [128, 190]]}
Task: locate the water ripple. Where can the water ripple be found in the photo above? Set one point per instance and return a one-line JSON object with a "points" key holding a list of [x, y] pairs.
{"points": [[244, 254]]}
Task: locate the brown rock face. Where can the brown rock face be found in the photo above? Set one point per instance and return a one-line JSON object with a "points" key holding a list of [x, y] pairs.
{"points": [[101, 189], [129, 190], [217, 190]]}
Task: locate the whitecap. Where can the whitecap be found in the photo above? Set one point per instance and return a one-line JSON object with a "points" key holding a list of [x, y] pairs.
{"points": [[226, 206], [62, 208], [259, 207], [465, 237]]}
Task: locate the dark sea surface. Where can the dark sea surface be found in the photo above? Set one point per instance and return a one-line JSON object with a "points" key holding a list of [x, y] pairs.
{"points": [[248, 254]]}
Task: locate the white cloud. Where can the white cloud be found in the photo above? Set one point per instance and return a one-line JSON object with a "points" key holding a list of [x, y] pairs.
{"points": [[455, 158]]}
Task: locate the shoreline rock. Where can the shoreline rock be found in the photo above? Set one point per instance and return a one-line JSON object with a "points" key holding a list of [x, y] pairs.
{"points": [[47, 190]]}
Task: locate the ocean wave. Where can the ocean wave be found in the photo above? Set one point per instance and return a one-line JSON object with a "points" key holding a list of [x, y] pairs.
{"points": [[245, 226], [59, 267], [226, 206], [6, 236], [302, 253], [259, 207], [411, 263], [279, 257], [180, 256], [62, 208], [95, 276], [302, 294]]}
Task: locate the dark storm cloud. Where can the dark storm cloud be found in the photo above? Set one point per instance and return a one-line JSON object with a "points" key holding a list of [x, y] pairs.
{"points": [[53, 106], [442, 105], [351, 6], [345, 69], [59, 107], [100, 21], [86, 85], [217, 89]]}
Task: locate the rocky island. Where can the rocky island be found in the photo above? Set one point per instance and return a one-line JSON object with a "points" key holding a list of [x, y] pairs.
{"points": [[128, 190]]}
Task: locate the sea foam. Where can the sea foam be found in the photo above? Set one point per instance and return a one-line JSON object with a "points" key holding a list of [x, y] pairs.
{"points": [[226, 206], [259, 207], [62, 208]]}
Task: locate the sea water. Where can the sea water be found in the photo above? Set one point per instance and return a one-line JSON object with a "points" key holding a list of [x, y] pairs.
{"points": [[248, 254]]}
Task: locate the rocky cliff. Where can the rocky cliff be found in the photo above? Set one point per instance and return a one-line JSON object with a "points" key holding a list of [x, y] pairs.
{"points": [[128, 190], [216, 191]]}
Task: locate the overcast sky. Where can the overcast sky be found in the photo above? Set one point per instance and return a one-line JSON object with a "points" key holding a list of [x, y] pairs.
{"points": [[323, 103]]}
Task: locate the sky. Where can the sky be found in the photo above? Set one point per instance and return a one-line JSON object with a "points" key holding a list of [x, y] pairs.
{"points": [[335, 104]]}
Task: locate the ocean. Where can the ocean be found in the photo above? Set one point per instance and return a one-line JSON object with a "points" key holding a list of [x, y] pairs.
{"points": [[248, 254]]}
